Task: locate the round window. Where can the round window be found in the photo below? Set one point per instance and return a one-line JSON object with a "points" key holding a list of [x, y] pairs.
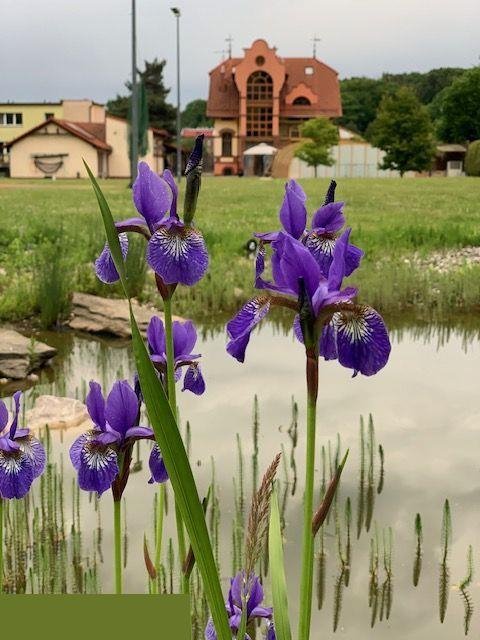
{"points": [[260, 60]]}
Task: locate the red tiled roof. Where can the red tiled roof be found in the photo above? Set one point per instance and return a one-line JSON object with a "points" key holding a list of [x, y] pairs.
{"points": [[193, 132], [223, 98], [77, 129]]}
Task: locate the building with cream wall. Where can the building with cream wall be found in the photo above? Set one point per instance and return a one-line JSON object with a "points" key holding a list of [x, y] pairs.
{"points": [[55, 147]]}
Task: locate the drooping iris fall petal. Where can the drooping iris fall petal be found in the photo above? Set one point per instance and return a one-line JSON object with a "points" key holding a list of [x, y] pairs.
{"points": [[157, 466], [104, 266], [241, 326], [362, 340], [177, 253]]}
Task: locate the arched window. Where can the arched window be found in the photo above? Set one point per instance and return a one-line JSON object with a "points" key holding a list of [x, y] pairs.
{"points": [[259, 105], [227, 143], [301, 100]]}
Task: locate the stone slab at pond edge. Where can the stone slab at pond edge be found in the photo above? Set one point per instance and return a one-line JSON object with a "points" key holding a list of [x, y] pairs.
{"points": [[57, 413], [94, 314], [20, 355]]}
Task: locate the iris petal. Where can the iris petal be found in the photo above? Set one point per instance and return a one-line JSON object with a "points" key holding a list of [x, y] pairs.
{"points": [[193, 380], [34, 449], [329, 218], [16, 474], [152, 195], [3, 415], [241, 326], [157, 465], [122, 407], [362, 340], [178, 254], [156, 336], [293, 214], [96, 404], [104, 266], [98, 467]]}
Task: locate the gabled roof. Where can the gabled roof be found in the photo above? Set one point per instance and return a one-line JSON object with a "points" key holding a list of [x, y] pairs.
{"points": [[87, 131], [224, 99]]}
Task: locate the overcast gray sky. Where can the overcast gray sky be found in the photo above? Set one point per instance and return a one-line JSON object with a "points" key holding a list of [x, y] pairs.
{"points": [[63, 49]]}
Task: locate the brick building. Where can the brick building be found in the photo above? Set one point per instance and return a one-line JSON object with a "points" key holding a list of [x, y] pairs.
{"points": [[263, 97]]}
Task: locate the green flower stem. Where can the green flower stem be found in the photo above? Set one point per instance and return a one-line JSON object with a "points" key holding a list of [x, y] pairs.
{"points": [[171, 392], [117, 528], [306, 586]]}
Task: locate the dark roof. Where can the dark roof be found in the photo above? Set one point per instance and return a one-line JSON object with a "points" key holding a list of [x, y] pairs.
{"points": [[78, 129], [223, 98]]}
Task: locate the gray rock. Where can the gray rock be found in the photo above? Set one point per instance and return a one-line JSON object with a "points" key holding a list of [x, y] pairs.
{"points": [[94, 314], [20, 355]]}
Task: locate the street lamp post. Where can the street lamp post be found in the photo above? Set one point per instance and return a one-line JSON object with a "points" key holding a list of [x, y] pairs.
{"points": [[134, 106], [176, 13]]}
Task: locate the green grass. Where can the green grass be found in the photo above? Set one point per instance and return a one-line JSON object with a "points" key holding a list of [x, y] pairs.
{"points": [[390, 218]]}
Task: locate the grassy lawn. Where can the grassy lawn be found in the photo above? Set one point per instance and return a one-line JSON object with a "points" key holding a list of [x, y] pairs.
{"points": [[52, 231]]}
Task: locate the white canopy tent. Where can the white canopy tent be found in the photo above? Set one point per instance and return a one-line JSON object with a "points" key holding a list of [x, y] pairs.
{"points": [[258, 159], [261, 149]]}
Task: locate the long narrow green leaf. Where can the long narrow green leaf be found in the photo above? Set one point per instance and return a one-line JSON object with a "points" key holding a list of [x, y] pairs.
{"points": [[171, 444], [277, 572]]}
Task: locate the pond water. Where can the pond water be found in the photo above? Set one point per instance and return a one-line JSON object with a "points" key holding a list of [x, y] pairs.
{"points": [[425, 407]]}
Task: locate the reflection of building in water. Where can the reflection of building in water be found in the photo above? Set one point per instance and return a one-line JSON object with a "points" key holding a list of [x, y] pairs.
{"points": [[262, 97]]}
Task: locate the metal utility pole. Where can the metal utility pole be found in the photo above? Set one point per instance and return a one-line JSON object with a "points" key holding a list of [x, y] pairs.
{"points": [[176, 13], [134, 107], [315, 40]]}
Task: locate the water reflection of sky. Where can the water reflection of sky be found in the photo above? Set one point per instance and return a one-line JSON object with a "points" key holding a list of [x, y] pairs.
{"points": [[426, 409]]}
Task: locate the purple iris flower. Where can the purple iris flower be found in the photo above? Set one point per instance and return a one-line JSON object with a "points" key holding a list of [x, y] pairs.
{"points": [[355, 334], [102, 455], [184, 339], [327, 223], [243, 593], [22, 457], [176, 251]]}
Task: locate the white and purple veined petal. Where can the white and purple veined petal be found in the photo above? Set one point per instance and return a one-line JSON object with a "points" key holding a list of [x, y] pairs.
{"points": [[210, 633], [98, 466], [105, 267], [177, 253], [240, 327], [327, 343], [152, 195], [16, 474], [157, 466], [35, 450], [322, 245], [362, 340], [193, 380]]}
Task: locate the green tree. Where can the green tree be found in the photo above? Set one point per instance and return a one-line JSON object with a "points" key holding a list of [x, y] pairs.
{"points": [[195, 114], [161, 114], [459, 110], [322, 135], [360, 100], [404, 130], [472, 159]]}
